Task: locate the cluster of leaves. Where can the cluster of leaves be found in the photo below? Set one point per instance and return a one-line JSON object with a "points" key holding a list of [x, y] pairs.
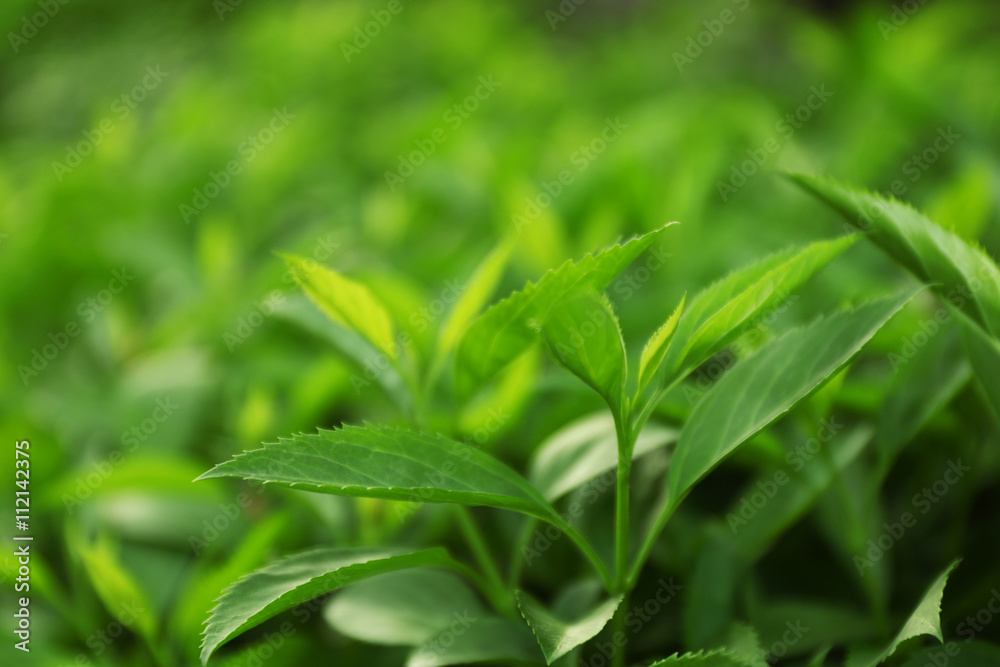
{"points": [[410, 594]]}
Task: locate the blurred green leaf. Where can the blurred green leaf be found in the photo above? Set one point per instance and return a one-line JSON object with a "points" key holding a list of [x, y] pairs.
{"points": [[345, 301], [300, 578], [403, 608]]}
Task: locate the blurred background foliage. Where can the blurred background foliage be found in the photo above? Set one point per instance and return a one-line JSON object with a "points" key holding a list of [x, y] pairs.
{"points": [[210, 325]]}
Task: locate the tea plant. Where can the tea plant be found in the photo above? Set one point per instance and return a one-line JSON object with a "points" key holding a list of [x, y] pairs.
{"points": [[569, 314]]}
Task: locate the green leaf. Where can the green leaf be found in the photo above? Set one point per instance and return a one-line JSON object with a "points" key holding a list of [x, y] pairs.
{"points": [[756, 535], [477, 292], [396, 464], [402, 608], [582, 334], [717, 315], [504, 331], [557, 637], [489, 639], [925, 620], [962, 273], [116, 587], [388, 463], [765, 386], [984, 353], [743, 641], [656, 347], [300, 578], [927, 381], [717, 658], [345, 301], [585, 449]]}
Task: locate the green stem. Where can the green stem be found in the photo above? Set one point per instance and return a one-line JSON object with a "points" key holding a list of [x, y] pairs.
{"points": [[501, 597], [626, 444]]}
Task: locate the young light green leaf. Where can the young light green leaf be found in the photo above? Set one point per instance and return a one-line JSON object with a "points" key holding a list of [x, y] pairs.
{"points": [[345, 301], [489, 639], [585, 449], [300, 578], [717, 658], [477, 292], [582, 334], [402, 608], [656, 347], [557, 637], [717, 315], [925, 620], [765, 386], [504, 331], [388, 463], [962, 273]]}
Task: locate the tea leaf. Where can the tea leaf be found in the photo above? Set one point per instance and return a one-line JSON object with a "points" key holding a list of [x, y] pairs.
{"points": [[582, 334], [490, 639], [765, 386], [586, 449], [656, 347], [925, 620], [717, 658], [300, 578], [557, 637], [717, 315], [478, 291], [388, 463], [504, 331], [345, 301], [962, 273], [403, 608]]}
